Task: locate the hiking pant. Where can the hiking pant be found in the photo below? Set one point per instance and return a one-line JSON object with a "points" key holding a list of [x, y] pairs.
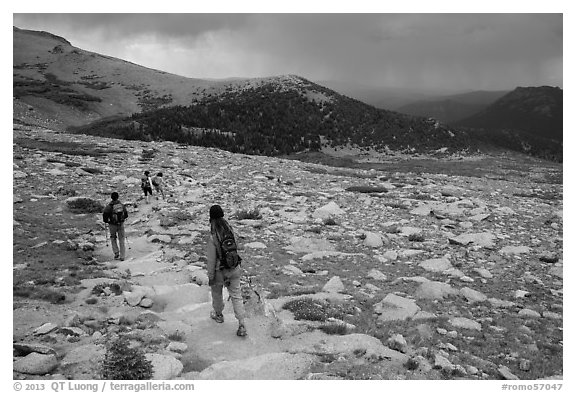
{"points": [[231, 279], [117, 231]]}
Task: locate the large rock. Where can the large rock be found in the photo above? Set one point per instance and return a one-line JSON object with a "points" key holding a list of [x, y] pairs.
{"points": [[472, 295], [373, 240], [255, 245], [397, 342], [514, 250], [89, 353], [318, 343], [138, 293], [270, 366], [434, 290], [442, 363], [23, 349], [36, 364], [484, 239], [164, 367], [529, 313], [328, 211], [309, 244], [19, 174], [506, 373], [377, 275], [465, 323], [437, 265], [395, 308], [45, 328], [334, 285]]}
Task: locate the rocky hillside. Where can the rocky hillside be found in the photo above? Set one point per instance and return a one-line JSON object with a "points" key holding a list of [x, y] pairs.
{"points": [[283, 115], [59, 85], [347, 273]]}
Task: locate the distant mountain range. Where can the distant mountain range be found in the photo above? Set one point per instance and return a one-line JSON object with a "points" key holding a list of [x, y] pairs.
{"points": [[532, 110], [449, 109], [65, 87]]}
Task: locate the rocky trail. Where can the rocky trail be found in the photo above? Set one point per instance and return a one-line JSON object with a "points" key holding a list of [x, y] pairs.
{"points": [[348, 273]]}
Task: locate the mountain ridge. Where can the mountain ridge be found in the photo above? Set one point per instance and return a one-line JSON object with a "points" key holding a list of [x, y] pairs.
{"points": [[59, 86]]}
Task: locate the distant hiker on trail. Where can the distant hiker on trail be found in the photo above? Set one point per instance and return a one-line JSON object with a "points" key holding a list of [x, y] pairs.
{"points": [[146, 185], [157, 183], [224, 269], [114, 215]]}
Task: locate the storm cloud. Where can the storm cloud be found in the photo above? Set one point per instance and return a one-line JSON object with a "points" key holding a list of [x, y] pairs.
{"points": [[424, 51]]}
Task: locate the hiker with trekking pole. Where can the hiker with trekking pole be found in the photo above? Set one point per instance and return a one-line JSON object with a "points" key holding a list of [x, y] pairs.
{"points": [[114, 215]]}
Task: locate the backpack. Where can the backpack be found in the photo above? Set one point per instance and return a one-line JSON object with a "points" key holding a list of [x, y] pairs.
{"points": [[145, 183], [117, 215], [155, 182], [229, 258]]}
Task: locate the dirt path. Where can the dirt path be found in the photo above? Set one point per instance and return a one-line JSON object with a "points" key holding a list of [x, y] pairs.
{"points": [[183, 306]]}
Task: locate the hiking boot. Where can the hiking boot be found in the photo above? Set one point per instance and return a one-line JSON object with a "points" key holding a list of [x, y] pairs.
{"points": [[241, 332], [121, 259], [116, 256], [217, 317]]}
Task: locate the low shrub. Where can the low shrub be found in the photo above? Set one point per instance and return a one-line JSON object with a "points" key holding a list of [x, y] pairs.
{"points": [[253, 214], [416, 237], [316, 310], [177, 336], [85, 205], [306, 308], [121, 362], [334, 328], [367, 189]]}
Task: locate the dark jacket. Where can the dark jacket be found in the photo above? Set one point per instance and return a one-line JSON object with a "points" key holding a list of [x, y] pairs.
{"points": [[108, 211]]}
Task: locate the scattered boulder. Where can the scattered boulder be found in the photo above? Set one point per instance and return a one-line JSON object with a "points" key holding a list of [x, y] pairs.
{"points": [[437, 265], [506, 373], [483, 239], [377, 275], [177, 347], [395, 308], [373, 240], [36, 364], [514, 250], [398, 343], [164, 367], [328, 211], [465, 323], [45, 329], [256, 245], [23, 349], [434, 290], [270, 366], [472, 295], [442, 363], [334, 285], [528, 313]]}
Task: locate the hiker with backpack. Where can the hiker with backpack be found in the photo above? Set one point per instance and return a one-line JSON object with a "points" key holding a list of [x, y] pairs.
{"points": [[224, 269], [114, 215], [146, 185], [157, 183]]}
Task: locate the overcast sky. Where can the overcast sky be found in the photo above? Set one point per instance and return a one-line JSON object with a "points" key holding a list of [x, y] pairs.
{"points": [[424, 51]]}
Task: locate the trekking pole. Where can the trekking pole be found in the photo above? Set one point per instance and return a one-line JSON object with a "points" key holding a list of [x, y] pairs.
{"points": [[127, 242]]}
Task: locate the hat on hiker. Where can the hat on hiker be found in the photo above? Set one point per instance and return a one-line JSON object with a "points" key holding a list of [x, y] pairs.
{"points": [[216, 212]]}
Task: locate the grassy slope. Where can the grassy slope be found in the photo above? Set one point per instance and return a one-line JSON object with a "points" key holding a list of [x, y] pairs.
{"points": [[130, 86]]}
